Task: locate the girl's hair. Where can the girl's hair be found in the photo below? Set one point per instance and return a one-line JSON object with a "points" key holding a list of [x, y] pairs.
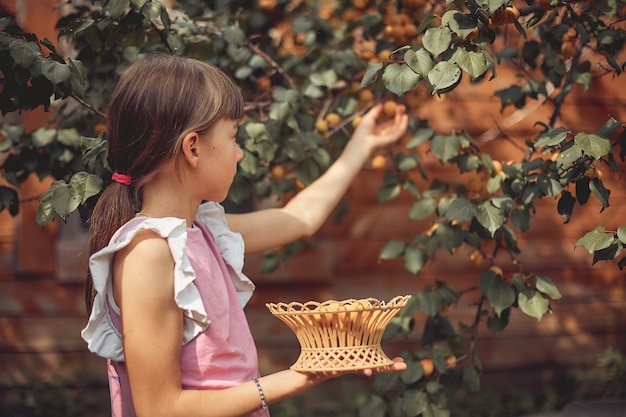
{"points": [[157, 101]]}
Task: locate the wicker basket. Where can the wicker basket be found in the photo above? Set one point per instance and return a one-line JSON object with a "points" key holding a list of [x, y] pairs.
{"points": [[339, 335]]}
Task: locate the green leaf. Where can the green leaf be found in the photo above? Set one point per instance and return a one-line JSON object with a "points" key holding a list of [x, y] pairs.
{"points": [[371, 73], [55, 71], [621, 234], [471, 378], [600, 192], [500, 295], [546, 286], [459, 23], [422, 209], [413, 372], [565, 206], [86, 185], [593, 145], [533, 304], [414, 259], [490, 217], [497, 323], [414, 401], [461, 209], [419, 61], [437, 40], [43, 137], [445, 76], [565, 158], [249, 163], [595, 240], [392, 250], [474, 63], [445, 147], [400, 78], [116, 8], [552, 137], [374, 407], [421, 136], [24, 53], [388, 192], [326, 78], [549, 186]]}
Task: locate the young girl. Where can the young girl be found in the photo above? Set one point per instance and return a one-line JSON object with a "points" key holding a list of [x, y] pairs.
{"points": [[168, 290]]}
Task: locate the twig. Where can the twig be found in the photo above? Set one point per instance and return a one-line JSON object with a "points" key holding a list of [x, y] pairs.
{"points": [[89, 106], [273, 63]]}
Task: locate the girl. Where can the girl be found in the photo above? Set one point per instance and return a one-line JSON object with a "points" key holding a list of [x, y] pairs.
{"points": [[168, 290]]}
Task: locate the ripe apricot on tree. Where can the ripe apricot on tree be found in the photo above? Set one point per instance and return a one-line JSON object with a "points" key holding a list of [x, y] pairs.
{"points": [[389, 108], [321, 126], [263, 83], [568, 49], [379, 162], [451, 361], [356, 121], [476, 257], [512, 14], [427, 366], [99, 128], [278, 172], [366, 96], [333, 119], [497, 270]]}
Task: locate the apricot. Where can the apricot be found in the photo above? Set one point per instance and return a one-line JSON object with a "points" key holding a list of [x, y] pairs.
{"points": [[476, 257], [512, 14], [278, 172], [568, 49], [389, 108], [427, 366], [451, 361], [321, 126], [263, 83], [379, 162], [333, 119]]}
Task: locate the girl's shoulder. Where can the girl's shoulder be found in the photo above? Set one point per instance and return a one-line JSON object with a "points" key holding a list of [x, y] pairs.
{"points": [[101, 334]]}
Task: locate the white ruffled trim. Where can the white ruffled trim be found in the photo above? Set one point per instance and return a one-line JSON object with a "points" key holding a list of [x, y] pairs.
{"points": [[101, 335], [231, 247]]}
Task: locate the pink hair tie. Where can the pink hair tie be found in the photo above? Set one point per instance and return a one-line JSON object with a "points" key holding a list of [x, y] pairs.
{"points": [[121, 178]]}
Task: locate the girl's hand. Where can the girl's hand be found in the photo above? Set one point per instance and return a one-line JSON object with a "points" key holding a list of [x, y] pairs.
{"points": [[317, 377], [397, 365], [372, 134]]}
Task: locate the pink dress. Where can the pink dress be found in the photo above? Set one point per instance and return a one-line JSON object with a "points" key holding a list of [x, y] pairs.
{"points": [[218, 350]]}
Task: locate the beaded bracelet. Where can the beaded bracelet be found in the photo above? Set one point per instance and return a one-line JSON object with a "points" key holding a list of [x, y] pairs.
{"points": [[258, 386]]}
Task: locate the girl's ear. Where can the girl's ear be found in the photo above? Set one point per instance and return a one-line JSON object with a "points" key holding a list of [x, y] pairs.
{"points": [[190, 150]]}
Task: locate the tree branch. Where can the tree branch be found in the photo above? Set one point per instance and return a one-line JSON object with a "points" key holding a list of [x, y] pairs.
{"points": [[273, 63]]}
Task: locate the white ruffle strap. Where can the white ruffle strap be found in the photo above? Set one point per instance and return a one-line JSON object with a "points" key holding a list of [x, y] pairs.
{"points": [[231, 247]]}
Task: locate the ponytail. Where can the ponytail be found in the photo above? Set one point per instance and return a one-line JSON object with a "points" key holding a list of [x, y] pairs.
{"points": [[114, 208]]}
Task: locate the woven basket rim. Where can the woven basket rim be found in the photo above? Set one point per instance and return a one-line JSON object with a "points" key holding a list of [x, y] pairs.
{"points": [[308, 307]]}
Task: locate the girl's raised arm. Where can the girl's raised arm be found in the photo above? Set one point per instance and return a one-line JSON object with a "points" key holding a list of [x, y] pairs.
{"points": [[304, 214]]}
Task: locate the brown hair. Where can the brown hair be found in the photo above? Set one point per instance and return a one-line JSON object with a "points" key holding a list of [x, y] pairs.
{"points": [[156, 102]]}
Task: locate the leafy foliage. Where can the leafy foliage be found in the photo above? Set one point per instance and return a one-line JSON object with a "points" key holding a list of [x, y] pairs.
{"points": [[308, 70]]}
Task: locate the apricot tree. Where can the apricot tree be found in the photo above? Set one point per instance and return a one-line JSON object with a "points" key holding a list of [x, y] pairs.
{"points": [[309, 70]]}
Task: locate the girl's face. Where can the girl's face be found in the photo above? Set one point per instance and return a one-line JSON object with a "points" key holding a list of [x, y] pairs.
{"points": [[220, 154]]}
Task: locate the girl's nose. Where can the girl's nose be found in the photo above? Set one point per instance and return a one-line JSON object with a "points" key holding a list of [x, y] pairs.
{"points": [[239, 154]]}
